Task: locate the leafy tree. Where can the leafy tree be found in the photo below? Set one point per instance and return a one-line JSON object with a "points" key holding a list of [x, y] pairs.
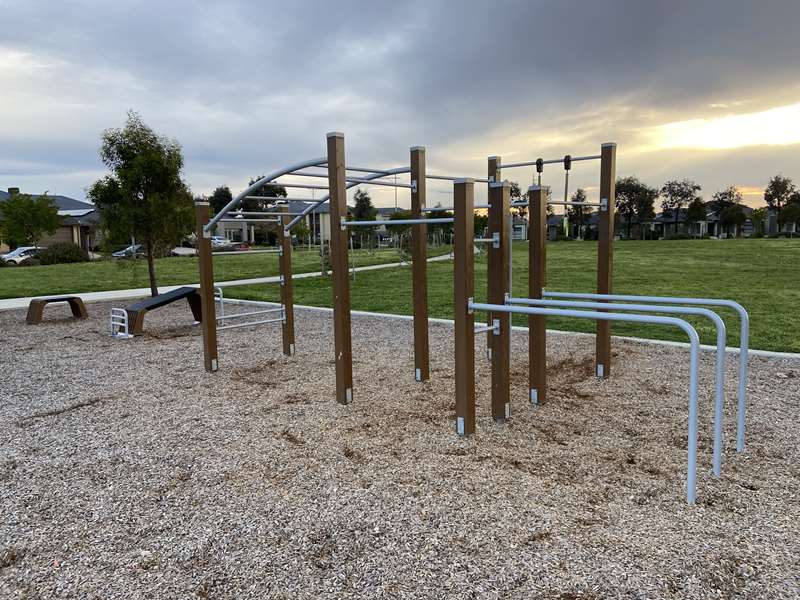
{"points": [[480, 222], [363, 209], [790, 214], [301, 230], [779, 192], [696, 211], [220, 199], [24, 219], [144, 196], [758, 217], [399, 229], [268, 190], [579, 215], [677, 194], [728, 203], [634, 200], [517, 196]]}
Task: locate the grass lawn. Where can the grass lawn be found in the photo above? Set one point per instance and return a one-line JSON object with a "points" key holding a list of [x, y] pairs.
{"points": [[761, 274], [104, 275]]}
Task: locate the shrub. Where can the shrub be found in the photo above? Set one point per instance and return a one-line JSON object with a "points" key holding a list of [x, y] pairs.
{"points": [[65, 252], [678, 236], [30, 262]]}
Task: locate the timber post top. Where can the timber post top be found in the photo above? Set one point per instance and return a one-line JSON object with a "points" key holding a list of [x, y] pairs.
{"points": [[493, 158], [504, 183], [536, 188], [464, 180], [337, 134], [418, 148], [609, 145], [201, 203]]}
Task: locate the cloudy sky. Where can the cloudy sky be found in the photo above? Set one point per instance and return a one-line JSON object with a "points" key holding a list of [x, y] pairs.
{"points": [[705, 90]]}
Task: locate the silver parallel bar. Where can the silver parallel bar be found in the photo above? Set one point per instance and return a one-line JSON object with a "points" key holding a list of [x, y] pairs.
{"points": [[251, 313], [279, 199], [448, 178], [248, 221], [248, 324], [356, 180], [449, 208], [395, 222]]}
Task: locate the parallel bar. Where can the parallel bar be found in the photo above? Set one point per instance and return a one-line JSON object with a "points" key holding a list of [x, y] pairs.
{"points": [[248, 314], [277, 200], [449, 178], [605, 253], [719, 326], [744, 337], [694, 341], [224, 327], [207, 308], [287, 296], [463, 290], [562, 203], [395, 222], [343, 345], [306, 186], [419, 267], [537, 279], [231, 252], [271, 213], [356, 180], [499, 199], [247, 221]]}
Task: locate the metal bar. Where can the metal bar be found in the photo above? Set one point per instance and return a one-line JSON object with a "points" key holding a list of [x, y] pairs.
{"points": [[231, 252], [287, 293], [343, 344], [551, 161], [493, 173], [312, 207], [207, 307], [694, 341], [267, 179], [419, 266], [559, 202], [237, 325], [485, 328], [278, 199], [247, 221], [395, 222], [499, 199], [743, 338], [605, 253], [304, 186], [719, 325], [264, 212], [448, 178], [249, 314], [358, 180], [463, 291]]}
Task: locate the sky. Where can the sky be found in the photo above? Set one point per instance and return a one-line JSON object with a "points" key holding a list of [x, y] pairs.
{"points": [[704, 90]]}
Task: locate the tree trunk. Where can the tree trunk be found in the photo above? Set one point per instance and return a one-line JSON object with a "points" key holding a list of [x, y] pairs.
{"points": [[628, 232], [151, 269]]}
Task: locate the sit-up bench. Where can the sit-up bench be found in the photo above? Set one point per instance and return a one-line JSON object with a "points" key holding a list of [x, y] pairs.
{"points": [[137, 311], [36, 307]]}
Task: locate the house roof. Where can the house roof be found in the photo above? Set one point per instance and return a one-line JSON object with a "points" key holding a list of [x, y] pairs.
{"points": [[66, 206]]}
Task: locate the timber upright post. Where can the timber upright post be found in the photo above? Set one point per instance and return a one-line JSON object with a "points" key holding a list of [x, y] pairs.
{"points": [[419, 266], [492, 175], [342, 341], [287, 296], [499, 252], [537, 275], [605, 250], [208, 310], [463, 292]]}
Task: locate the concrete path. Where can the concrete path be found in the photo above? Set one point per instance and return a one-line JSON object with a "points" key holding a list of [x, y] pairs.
{"points": [[14, 303]]}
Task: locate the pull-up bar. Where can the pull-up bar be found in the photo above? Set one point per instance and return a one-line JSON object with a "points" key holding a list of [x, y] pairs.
{"points": [[356, 180], [395, 222], [552, 161], [448, 208]]}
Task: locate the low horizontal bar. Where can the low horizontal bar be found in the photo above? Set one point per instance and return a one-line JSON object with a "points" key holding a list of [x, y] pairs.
{"points": [[268, 213], [449, 178], [248, 221], [279, 199], [223, 253], [483, 240], [307, 186], [250, 314], [562, 203], [357, 180], [449, 208], [395, 222], [484, 329], [249, 324]]}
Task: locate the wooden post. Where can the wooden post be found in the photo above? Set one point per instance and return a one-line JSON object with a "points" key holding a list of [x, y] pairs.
{"points": [[493, 174], [287, 296], [419, 266], [499, 200], [463, 291], [605, 251], [537, 275], [208, 322], [342, 341]]}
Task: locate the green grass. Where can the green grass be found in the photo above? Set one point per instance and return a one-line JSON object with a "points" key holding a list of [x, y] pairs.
{"points": [[109, 274], [761, 274]]}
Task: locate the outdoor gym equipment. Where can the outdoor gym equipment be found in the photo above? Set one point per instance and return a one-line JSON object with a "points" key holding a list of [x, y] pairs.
{"points": [[129, 322]]}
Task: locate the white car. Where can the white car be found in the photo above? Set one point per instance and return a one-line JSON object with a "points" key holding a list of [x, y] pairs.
{"points": [[20, 254], [217, 241]]}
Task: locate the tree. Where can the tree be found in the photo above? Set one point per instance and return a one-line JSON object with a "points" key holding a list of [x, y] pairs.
{"points": [[778, 192], [677, 194], [220, 199], [634, 200], [24, 219], [579, 215], [790, 214], [363, 210], [301, 230], [144, 196], [696, 211], [265, 195], [728, 204], [516, 196], [758, 217]]}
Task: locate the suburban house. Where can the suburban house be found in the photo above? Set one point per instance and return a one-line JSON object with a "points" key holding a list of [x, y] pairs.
{"points": [[664, 223], [78, 222]]}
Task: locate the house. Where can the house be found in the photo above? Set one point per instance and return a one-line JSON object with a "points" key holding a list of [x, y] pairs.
{"points": [[664, 223], [318, 222], [78, 221]]}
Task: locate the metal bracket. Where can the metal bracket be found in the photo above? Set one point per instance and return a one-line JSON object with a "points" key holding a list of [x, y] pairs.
{"points": [[470, 300], [342, 221], [413, 186], [508, 410], [534, 396], [214, 364], [496, 239], [603, 204], [460, 426], [348, 395], [418, 374], [600, 370], [496, 326]]}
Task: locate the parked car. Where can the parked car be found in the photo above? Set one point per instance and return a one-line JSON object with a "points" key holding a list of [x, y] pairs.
{"points": [[129, 252], [217, 241], [21, 254], [241, 246]]}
